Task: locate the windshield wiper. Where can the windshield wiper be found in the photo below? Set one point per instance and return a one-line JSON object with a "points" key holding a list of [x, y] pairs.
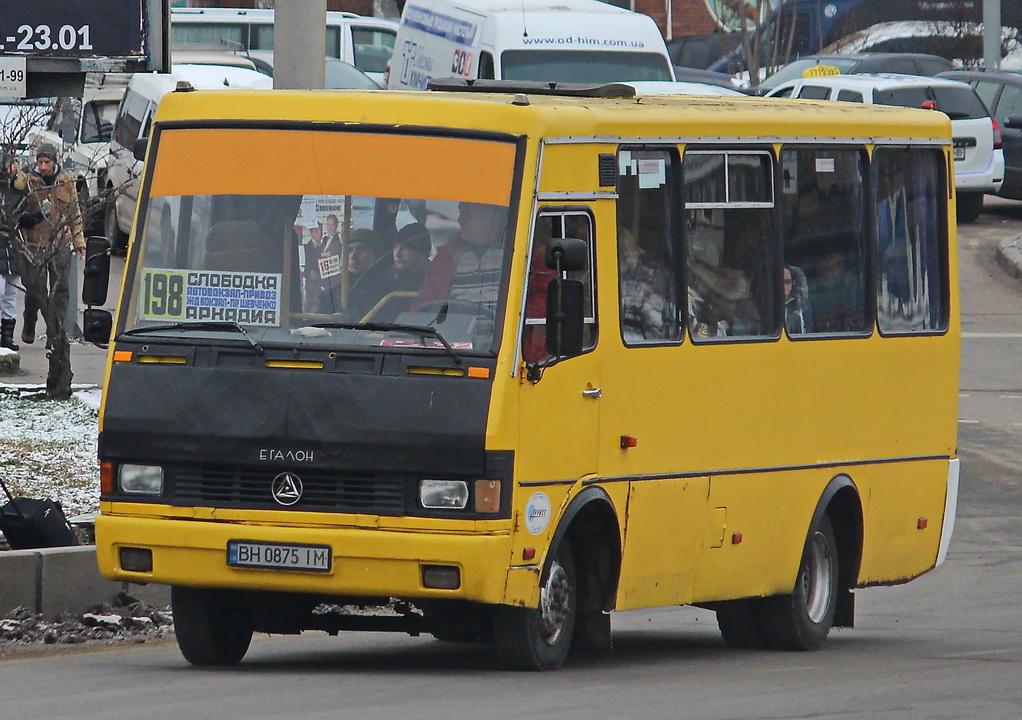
{"points": [[198, 325], [421, 330]]}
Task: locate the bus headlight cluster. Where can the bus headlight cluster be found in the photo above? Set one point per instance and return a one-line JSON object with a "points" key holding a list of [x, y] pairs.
{"points": [[443, 494], [140, 479]]}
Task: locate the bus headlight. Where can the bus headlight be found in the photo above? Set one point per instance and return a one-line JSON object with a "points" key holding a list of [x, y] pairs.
{"points": [[140, 479], [443, 494]]}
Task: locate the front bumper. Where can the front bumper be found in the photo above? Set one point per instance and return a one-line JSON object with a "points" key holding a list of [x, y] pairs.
{"points": [[367, 562]]}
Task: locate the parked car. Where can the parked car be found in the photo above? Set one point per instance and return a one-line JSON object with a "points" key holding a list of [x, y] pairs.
{"points": [[365, 42], [340, 75], [707, 77], [134, 116], [1001, 90], [858, 63], [702, 51], [18, 118], [960, 42], [979, 159], [81, 130]]}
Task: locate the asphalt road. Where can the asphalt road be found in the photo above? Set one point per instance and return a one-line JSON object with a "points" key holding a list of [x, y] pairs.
{"points": [[948, 645]]}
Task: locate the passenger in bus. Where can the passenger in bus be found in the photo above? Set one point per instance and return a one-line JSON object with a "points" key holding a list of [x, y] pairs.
{"points": [[837, 306], [467, 268], [719, 301], [646, 310], [798, 313], [534, 348], [363, 255], [404, 276]]}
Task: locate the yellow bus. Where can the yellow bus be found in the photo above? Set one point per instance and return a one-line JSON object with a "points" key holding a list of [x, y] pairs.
{"points": [[499, 359]]}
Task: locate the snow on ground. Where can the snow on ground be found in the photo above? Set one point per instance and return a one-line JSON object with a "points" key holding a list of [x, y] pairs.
{"points": [[48, 447]]}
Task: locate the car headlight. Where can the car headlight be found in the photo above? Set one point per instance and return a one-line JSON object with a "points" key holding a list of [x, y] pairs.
{"points": [[443, 494], [140, 479]]}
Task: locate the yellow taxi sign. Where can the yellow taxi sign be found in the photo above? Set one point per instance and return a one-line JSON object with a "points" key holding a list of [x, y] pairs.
{"points": [[820, 71]]}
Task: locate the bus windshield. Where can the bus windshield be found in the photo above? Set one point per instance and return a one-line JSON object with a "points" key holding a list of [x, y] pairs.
{"points": [[359, 238]]}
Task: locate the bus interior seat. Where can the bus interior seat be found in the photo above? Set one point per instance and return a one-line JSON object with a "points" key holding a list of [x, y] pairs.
{"points": [[235, 245]]}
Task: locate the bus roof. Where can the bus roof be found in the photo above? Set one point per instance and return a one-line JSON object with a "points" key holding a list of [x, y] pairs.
{"points": [[646, 117]]}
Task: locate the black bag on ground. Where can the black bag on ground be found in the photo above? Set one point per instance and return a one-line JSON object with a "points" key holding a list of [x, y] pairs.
{"points": [[29, 523]]}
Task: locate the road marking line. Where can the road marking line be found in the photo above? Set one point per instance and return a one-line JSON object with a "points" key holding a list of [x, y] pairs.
{"points": [[968, 422], [990, 335], [1011, 397], [977, 653]]}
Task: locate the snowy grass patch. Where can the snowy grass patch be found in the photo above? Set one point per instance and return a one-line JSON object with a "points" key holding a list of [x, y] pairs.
{"points": [[48, 447]]}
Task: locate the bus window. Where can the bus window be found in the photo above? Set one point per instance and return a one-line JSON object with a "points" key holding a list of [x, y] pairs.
{"points": [[823, 216], [912, 292], [729, 221], [567, 224], [646, 248]]}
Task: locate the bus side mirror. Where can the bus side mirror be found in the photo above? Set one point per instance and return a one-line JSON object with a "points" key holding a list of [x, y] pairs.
{"points": [[567, 254], [97, 325], [96, 275], [138, 148], [565, 317]]}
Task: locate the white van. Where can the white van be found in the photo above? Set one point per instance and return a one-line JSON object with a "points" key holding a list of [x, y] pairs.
{"points": [[134, 117], [365, 42], [570, 41]]}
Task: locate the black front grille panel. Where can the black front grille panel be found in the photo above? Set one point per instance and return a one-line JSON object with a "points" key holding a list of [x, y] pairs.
{"points": [[215, 486]]}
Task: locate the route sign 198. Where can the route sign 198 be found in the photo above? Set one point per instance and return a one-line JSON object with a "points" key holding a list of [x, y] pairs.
{"points": [[84, 28]]}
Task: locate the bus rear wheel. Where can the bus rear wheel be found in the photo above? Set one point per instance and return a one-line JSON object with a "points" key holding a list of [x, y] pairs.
{"points": [[741, 624], [539, 638], [212, 626], [802, 620]]}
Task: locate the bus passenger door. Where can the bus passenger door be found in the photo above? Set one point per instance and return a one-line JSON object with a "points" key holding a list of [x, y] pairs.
{"points": [[559, 400]]}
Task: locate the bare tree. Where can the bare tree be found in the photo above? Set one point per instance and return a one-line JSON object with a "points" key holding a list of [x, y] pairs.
{"points": [[767, 36], [43, 223]]}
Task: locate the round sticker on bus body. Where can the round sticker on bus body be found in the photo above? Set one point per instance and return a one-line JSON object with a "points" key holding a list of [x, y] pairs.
{"points": [[537, 513]]}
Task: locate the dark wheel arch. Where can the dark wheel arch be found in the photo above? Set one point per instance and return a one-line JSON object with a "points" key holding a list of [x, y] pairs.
{"points": [[590, 509], [842, 501]]}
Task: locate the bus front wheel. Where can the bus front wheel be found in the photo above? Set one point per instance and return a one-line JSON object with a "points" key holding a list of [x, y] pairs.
{"points": [[539, 638], [802, 620], [211, 626]]}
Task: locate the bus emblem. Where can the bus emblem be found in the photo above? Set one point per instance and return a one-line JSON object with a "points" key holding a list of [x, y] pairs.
{"points": [[537, 513], [286, 488]]}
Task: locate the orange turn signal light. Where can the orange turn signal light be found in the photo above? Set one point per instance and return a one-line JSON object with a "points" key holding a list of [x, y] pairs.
{"points": [[106, 478]]}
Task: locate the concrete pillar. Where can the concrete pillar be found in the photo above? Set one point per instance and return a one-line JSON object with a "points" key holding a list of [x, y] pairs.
{"points": [[299, 44]]}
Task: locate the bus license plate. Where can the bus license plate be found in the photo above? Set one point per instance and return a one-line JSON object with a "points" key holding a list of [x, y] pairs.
{"points": [[959, 153], [278, 556]]}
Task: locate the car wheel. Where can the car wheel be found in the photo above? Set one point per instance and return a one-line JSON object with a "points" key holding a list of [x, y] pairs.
{"points": [[803, 619], [539, 638], [117, 237], [969, 206], [211, 626], [741, 624]]}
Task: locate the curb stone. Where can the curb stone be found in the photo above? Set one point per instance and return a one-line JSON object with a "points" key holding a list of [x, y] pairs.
{"points": [[1009, 256], [52, 581]]}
